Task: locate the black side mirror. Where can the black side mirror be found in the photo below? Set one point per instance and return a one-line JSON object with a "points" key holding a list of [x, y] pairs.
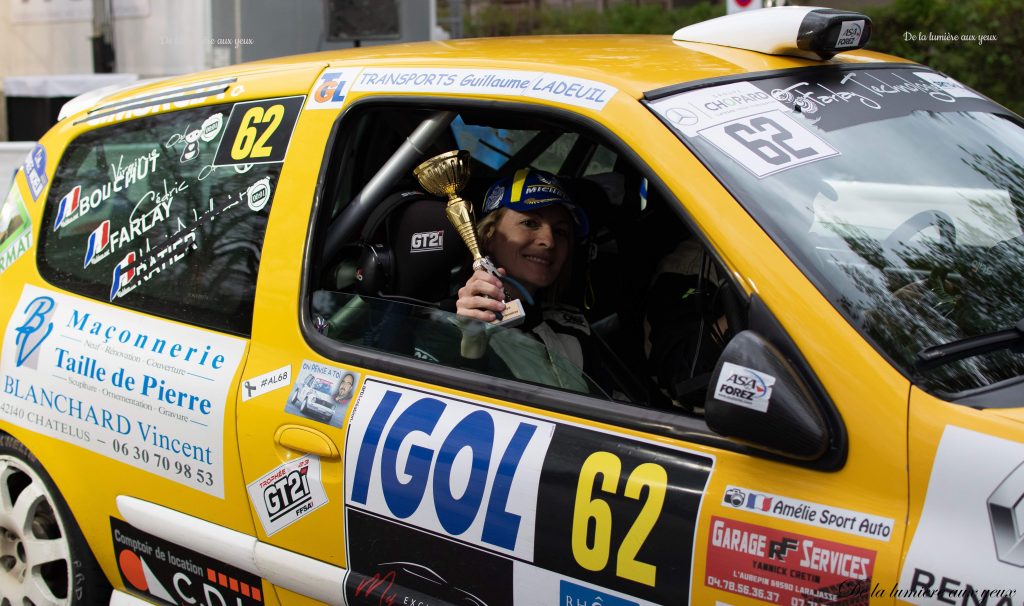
{"points": [[757, 397]]}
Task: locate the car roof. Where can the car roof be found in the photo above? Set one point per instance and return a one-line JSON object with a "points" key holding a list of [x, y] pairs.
{"points": [[634, 64]]}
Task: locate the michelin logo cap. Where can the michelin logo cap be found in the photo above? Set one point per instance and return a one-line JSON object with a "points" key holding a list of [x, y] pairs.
{"points": [[529, 189]]}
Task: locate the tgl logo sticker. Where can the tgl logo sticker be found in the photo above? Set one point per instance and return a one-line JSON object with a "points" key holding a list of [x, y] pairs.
{"points": [[447, 466]]}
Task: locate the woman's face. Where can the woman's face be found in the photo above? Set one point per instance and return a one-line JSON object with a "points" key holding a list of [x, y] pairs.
{"points": [[532, 246]]}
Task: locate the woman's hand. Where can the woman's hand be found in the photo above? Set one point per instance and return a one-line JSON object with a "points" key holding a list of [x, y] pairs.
{"points": [[482, 297]]}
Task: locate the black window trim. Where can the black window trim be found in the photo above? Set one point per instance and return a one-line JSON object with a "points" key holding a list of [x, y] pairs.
{"points": [[676, 426]]}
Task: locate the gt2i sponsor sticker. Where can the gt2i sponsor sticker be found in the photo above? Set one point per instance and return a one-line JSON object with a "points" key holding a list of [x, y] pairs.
{"points": [[34, 168], [167, 573], [782, 567], [540, 85], [287, 493], [322, 393], [974, 505], [393, 564], [258, 132], [266, 383], [330, 88], [744, 386], [768, 143], [446, 465], [15, 228], [145, 392], [806, 512]]}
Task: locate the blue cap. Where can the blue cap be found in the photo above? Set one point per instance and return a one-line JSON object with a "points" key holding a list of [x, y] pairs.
{"points": [[529, 189]]}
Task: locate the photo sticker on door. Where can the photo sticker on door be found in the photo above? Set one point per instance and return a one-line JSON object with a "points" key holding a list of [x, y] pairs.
{"points": [[322, 393]]}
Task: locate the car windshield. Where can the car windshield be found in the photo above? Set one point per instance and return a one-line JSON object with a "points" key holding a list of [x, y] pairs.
{"points": [[897, 191]]}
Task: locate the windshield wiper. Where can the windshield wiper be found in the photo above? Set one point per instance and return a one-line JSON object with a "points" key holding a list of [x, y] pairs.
{"points": [[939, 355]]}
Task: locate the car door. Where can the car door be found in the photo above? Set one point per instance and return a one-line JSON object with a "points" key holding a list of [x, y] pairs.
{"points": [[440, 482]]}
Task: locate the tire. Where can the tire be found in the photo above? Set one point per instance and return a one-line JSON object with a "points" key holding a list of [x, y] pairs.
{"points": [[44, 559]]}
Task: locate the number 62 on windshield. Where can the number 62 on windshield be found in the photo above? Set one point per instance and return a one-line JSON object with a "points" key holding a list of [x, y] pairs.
{"points": [[768, 143]]}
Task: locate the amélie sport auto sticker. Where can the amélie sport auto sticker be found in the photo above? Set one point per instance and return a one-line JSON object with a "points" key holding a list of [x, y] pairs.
{"points": [[548, 507], [138, 390], [331, 88]]}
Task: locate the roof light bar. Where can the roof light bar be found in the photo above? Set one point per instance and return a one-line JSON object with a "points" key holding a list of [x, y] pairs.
{"points": [[801, 31]]}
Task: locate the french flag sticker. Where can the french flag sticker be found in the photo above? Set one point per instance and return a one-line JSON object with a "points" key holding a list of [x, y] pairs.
{"points": [[758, 501], [68, 206], [98, 241], [124, 273]]}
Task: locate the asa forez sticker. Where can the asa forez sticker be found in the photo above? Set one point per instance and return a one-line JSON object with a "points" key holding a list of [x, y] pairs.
{"points": [[166, 573], [781, 567], [288, 493], [330, 88], [145, 392], [968, 547], [34, 168], [539, 85], [744, 386], [600, 510], [266, 383], [15, 228], [813, 514]]}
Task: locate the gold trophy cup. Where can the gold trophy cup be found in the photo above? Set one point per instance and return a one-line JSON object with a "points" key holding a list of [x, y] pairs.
{"points": [[445, 175]]}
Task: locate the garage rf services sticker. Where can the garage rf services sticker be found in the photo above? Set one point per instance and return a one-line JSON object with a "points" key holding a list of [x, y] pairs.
{"points": [[782, 567], [288, 493]]}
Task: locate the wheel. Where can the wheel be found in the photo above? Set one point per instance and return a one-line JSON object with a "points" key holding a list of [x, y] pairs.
{"points": [[44, 559]]}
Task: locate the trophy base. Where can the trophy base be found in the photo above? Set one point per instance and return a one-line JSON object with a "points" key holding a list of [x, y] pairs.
{"points": [[514, 314]]}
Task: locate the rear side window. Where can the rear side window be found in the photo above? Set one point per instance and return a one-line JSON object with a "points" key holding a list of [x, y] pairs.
{"points": [[166, 214]]}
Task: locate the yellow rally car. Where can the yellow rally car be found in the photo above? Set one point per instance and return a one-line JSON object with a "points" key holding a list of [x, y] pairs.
{"points": [[232, 374]]}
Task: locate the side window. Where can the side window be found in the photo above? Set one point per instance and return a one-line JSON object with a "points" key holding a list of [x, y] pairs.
{"points": [[635, 312], [166, 214]]}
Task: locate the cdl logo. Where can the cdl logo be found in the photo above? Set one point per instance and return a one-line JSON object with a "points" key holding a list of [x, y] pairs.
{"points": [[447, 466]]}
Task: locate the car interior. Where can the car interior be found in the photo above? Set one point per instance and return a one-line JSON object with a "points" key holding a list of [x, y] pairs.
{"points": [[658, 326]]}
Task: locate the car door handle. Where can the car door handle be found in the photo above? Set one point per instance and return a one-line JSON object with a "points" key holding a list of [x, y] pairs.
{"points": [[305, 439]]}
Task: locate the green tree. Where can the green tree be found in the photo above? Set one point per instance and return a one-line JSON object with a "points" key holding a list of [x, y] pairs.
{"points": [[992, 66]]}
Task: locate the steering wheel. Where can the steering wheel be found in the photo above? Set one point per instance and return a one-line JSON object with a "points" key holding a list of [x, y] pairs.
{"points": [[934, 291], [898, 239]]}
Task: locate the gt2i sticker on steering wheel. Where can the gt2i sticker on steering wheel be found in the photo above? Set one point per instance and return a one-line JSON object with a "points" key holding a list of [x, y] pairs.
{"points": [[606, 515], [258, 132], [768, 143]]}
